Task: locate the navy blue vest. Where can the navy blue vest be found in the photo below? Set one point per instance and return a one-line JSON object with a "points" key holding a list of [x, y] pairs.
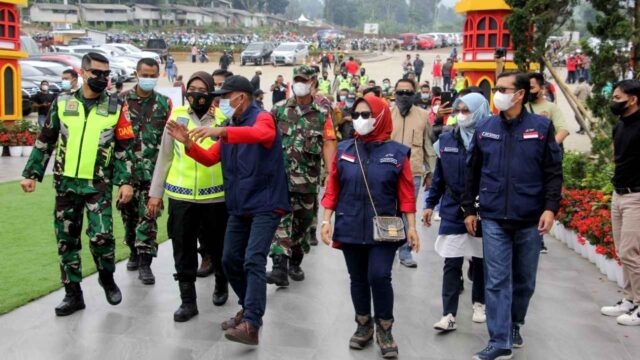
{"points": [[512, 179], [383, 163], [254, 176], [453, 159]]}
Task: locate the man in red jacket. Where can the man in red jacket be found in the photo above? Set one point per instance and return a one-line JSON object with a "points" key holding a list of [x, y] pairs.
{"points": [[571, 68]]}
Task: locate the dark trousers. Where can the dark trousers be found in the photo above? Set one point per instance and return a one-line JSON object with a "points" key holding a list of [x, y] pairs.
{"points": [[369, 267], [244, 258], [418, 75], [193, 58], [446, 83], [188, 222], [452, 279]]}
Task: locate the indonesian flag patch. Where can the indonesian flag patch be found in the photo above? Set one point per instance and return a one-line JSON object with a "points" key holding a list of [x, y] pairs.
{"points": [[530, 135], [349, 158]]}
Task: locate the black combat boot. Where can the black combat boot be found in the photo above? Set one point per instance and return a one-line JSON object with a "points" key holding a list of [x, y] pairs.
{"points": [[132, 263], [188, 308], [144, 271], [279, 274], [295, 271], [111, 290], [73, 300], [221, 290]]}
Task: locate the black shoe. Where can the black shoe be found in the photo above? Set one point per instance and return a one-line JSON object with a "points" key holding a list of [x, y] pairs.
{"points": [[220, 291], [144, 271], [189, 307], [73, 300], [111, 290], [279, 273], [516, 338], [132, 263], [461, 289], [296, 273], [313, 239]]}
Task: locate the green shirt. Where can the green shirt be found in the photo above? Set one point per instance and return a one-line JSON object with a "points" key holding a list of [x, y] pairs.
{"points": [[551, 112]]}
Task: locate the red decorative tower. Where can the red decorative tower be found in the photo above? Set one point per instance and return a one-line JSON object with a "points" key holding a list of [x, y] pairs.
{"points": [[485, 30], [10, 93]]}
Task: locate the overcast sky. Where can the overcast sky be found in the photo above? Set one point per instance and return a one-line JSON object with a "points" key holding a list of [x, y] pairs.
{"points": [[450, 3]]}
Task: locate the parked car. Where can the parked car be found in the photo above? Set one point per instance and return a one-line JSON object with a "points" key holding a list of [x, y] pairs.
{"points": [[29, 88], [408, 41], [81, 41], [426, 42], [32, 74], [158, 46], [132, 50], [114, 57], [290, 53], [67, 60], [257, 53], [47, 67]]}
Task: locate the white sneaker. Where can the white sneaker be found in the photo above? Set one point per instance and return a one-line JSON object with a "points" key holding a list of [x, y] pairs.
{"points": [[479, 315], [620, 308], [436, 216], [632, 318], [447, 323]]}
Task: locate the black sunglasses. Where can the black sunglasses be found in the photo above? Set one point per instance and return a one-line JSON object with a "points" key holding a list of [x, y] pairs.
{"points": [[405, 92], [363, 114], [99, 73], [502, 89]]}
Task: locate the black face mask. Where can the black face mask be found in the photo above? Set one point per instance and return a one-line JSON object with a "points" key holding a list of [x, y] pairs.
{"points": [[404, 103], [533, 96], [199, 102], [618, 107], [97, 84]]}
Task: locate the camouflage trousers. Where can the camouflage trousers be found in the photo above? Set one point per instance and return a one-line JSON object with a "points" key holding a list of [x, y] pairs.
{"points": [[140, 230], [291, 238], [68, 215], [314, 224]]}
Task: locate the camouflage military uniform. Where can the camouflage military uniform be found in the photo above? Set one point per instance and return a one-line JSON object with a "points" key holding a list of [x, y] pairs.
{"points": [[148, 118], [302, 128], [113, 165]]}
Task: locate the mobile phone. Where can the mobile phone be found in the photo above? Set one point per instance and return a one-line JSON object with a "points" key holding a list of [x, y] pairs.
{"points": [[446, 96], [182, 120]]}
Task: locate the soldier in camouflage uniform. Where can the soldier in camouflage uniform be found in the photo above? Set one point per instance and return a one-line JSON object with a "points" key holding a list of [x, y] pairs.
{"points": [[149, 112], [92, 135], [307, 137]]}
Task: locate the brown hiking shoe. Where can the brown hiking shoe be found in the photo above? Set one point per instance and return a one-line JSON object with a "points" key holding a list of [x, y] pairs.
{"points": [[231, 323], [364, 333], [244, 333], [388, 346], [206, 267]]}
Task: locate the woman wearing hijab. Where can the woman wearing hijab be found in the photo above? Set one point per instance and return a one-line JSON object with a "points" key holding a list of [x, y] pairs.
{"points": [[453, 242], [388, 173]]}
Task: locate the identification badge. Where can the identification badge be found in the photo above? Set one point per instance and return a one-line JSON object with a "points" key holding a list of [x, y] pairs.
{"points": [[450, 149], [102, 109], [182, 120], [490, 135], [530, 135], [71, 108], [393, 231], [349, 158]]}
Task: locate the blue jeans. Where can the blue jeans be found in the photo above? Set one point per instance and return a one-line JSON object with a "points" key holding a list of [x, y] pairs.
{"points": [[244, 259], [405, 250], [370, 273], [510, 267], [41, 120]]}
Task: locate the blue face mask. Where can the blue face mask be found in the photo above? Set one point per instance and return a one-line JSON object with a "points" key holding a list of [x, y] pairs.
{"points": [[349, 103], [66, 85], [343, 98], [147, 84], [424, 96], [226, 108]]}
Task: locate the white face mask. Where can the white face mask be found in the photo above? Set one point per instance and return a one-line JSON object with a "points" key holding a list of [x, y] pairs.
{"points": [[436, 108], [503, 101], [363, 126], [301, 89], [466, 120]]}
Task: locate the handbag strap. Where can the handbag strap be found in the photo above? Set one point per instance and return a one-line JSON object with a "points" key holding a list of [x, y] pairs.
{"points": [[364, 176]]}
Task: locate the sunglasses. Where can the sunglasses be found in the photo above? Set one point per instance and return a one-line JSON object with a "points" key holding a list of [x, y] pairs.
{"points": [[502, 89], [99, 73], [363, 114], [405, 92]]}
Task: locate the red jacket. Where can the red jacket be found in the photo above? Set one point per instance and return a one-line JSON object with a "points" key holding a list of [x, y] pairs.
{"points": [[571, 64]]}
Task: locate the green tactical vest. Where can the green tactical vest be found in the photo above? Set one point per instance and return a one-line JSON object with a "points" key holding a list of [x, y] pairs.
{"points": [[188, 179], [85, 135]]}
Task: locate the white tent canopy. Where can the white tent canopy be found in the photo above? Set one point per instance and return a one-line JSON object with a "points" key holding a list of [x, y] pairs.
{"points": [[303, 19]]}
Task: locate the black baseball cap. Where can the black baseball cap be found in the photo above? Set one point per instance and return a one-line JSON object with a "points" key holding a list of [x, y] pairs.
{"points": [[235, 83]]}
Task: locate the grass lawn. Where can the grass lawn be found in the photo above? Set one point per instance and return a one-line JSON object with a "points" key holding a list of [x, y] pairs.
{"points": [[30, 266]]}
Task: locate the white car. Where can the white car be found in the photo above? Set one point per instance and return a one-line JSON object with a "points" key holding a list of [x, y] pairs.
{"points": [[290, 53], [131, 50], [114, 57]]}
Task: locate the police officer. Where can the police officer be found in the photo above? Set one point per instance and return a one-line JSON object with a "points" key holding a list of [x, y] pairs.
{"points": [[342, 81], [307, 136], [515, 167], [149, 112], [93, 135], [364, 78], [197, 207], [324, 84]]}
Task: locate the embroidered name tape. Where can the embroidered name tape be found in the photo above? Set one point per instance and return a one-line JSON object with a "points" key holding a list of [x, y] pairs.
{"points": [[530, 135], [451, 149], [489, 135], [389, 160], [348, 158]]}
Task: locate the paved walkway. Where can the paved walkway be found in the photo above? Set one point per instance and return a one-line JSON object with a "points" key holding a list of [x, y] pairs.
{"points": [[314, 319]]}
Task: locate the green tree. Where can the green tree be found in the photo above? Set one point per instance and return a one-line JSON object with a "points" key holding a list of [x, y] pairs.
{"points": [[277, 6]]}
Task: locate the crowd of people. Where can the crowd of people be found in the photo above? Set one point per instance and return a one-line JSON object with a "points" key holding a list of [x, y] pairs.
{"points": [[244, 184]]}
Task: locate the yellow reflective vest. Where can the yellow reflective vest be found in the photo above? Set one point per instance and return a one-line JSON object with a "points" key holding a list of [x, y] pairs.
{"points": [[188, 179]]}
